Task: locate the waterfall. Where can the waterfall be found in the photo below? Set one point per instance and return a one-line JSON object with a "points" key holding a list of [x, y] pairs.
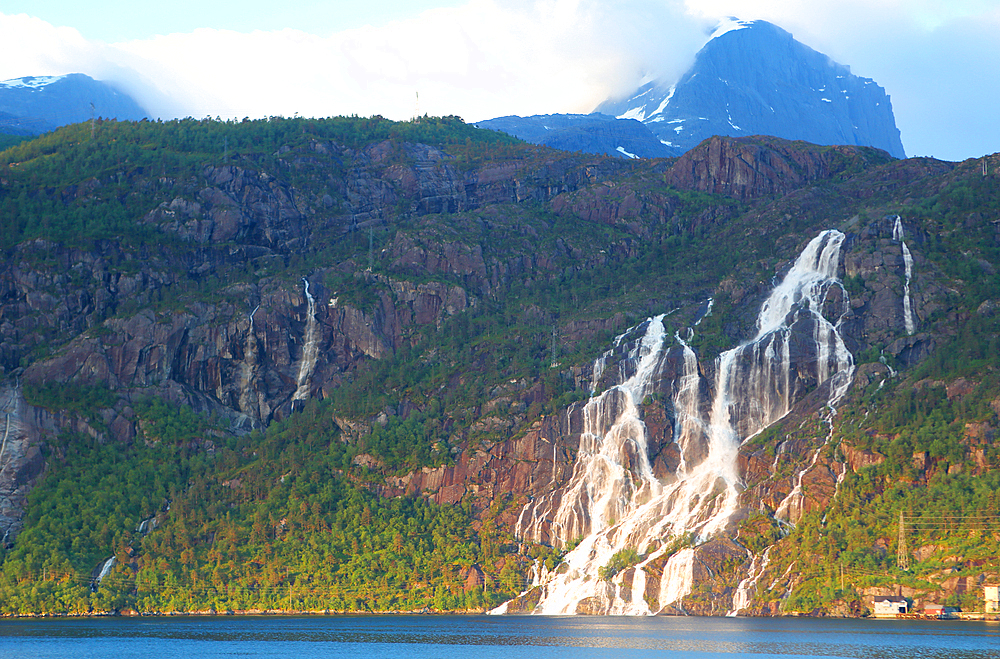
{"points": [[708, 311], [104, 571], [10, 408], [743, 597], [309, 350], [909, 320], [248, 370], [614, 502], [6, 433]]}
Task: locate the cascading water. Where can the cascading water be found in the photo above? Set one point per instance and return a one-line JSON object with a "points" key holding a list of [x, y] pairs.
{"points": [[744, 595], [248, 370], [909, 320], [104, 571], [310, 349], [614, 502], [11, 424]]}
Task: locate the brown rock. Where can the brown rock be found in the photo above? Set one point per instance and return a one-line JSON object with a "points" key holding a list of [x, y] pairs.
{"points": [[858, 460], [960, 387]]}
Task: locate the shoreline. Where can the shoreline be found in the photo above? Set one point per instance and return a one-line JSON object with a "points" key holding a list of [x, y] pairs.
{"points": [[248, 613]]}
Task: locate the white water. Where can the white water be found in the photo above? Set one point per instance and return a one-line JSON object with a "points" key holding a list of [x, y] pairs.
{"points": [[744, 591], [106, 569], [791, 506], [6, 433], [909, 320], [310, 349], [708, 311], [613, 500], [11, 408], [248, 370]]}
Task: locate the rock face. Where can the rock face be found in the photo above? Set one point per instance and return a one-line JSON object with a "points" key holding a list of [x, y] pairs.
{"points": [[33, 104], [23, 429], [753, 78], [757, 166]]}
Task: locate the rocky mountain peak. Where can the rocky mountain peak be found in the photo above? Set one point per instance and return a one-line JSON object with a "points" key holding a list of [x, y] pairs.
{"points": [[754, 78]]}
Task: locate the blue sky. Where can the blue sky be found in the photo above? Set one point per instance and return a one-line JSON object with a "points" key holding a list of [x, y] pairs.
{"points": [[120, 20], [939, 61]]}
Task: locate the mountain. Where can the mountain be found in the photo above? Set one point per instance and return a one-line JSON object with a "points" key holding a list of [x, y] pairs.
{"points": [[590, 133], [753, 78], [354, 365], [34, 105]]}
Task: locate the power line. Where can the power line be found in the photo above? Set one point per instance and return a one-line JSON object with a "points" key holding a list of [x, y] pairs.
{"points": [[902, 554]]}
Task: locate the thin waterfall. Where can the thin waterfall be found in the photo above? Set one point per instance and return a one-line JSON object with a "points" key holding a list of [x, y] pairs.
{"points": [[909, 320], [744, 594], [310, 349], [11, 407], [614, 502], [248, 370], [103, 572]]}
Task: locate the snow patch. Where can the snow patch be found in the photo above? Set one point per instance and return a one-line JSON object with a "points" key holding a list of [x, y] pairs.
{"points": [[633, 113], [31, 82], [729, 24], [666, 101], [622, 151]]}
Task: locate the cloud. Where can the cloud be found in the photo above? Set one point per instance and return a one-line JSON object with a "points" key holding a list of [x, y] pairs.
{"points": [[479, 60], [487, 58]]}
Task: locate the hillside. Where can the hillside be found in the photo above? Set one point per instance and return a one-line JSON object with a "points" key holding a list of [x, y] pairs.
{"points": [[349, 364]]}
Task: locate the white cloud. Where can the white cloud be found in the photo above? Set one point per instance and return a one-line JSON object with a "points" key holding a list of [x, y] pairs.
{"points": [[487, 58], [480, 60]]}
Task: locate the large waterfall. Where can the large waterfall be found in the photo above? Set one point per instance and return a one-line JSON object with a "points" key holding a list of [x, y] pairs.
{"points": [[614, 503]]}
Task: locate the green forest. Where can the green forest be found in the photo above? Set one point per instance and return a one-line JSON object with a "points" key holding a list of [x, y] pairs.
{"points": [[268, 521]]}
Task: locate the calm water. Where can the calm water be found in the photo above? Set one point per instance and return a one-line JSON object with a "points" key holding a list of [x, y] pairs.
{"points": [[482, 637]]}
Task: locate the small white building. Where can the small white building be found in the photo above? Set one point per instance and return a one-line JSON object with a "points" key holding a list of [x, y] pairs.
{"points": [[889, 606], [992, 596]]}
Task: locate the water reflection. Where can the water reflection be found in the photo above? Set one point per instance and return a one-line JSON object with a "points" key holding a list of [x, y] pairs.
{"points": [[485, 637]]}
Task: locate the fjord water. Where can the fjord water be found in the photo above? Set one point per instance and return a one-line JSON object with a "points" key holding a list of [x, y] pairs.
{"points": [[509, 637]]}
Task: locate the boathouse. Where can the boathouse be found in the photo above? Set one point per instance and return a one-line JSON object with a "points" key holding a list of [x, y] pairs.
{"points": [[889, 606]]}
